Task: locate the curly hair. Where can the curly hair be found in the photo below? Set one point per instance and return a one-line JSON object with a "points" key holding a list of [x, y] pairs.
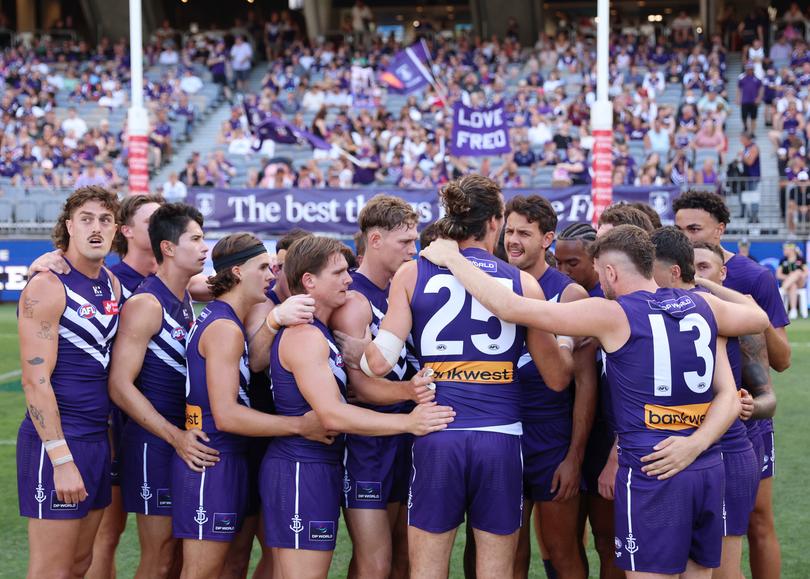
{"points": [[470, 202], [709, 202], [60, 235]]}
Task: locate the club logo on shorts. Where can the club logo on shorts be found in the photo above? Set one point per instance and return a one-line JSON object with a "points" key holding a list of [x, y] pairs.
{"points": [[164, 498], [200, 517], [57, 505], [39, 495], [322, 530], [347, 483], [368, 491], [146, 491], [224, 523], [297, 525], [631, 546], [179, 334], [87, 311]]}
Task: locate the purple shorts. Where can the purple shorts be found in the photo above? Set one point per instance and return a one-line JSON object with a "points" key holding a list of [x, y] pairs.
{"points": [[210, 505], [742, 482], [300, 503], [146, 475], [600, 443], [545, 445], [768, 455], [36, 491], [256, 449], [466, 471], [662, 524], [377, 471]]}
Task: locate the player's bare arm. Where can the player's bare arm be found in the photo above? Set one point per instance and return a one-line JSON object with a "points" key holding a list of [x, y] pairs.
{"points": [[264, 320], [41, 305], [353, 319], [305, 352], [555, 363], [736, 314], [675, 453], [140, 319], [222, 346], [398, 321], [756, 375], [596, 317]]}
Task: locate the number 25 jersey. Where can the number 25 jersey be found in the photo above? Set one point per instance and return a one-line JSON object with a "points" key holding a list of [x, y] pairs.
{"points": [[474, 354], [660, 380]]}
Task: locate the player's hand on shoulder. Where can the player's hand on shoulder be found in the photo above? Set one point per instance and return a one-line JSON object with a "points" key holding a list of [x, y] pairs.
{"points": [[190, 448], [352, 348], [671, 456], [440, 251], [746, 404], [52, 261], [297, 309], [312, 429], [430, 417], [69, 483]]}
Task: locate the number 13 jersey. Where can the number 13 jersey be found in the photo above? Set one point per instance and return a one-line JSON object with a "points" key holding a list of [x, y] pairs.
{"points": [[660, 380], [474, 354]]}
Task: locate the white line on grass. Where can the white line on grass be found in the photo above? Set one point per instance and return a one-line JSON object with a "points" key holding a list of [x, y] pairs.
{"points": [[13, 374]]}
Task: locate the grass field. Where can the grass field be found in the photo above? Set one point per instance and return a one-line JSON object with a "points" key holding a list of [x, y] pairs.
{"points": [[791, 497]]}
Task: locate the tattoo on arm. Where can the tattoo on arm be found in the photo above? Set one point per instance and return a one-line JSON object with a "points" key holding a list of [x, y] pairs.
{"points": [[755, 375], [28, 307], [36, 414], [45, 332], [36, 361]]}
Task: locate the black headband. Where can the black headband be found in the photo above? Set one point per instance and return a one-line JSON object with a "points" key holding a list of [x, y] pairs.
{"points": [[238, 258]]}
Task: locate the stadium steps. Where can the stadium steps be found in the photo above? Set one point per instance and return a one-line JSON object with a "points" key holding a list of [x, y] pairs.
{"points": [[770, 217]]}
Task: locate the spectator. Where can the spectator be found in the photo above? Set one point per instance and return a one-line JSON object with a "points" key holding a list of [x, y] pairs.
{"points": [[710, 136], [75, 124], [48, 179], [241, 57], [160, 139], [240, 143], [749, 157], [749, 95], [792, 275], [91, 176], [190, 83], [174, 189], [169, 56]]}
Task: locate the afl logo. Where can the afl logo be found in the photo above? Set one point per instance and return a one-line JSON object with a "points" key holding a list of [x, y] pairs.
{"points": [[87, 311], [494, 347], [441, 347], [339, 360], [179, 334]]}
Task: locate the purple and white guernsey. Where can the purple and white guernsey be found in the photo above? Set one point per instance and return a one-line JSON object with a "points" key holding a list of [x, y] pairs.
{"points": [[129, 278], [473, 354], [539, 401], [163, 375], [661, 378], [86, 332], [198, 406]]}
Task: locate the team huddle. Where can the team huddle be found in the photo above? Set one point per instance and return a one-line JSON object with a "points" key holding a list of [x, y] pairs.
{"points": [[621, 380]]}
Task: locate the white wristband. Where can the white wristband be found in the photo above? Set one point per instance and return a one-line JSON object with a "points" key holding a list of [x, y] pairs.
{"points": [[62, 460], [51, 444], [273, 330], [565, 342]]}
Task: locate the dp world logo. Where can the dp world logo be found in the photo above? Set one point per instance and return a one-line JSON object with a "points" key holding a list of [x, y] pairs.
{"points": [[205, 203]]}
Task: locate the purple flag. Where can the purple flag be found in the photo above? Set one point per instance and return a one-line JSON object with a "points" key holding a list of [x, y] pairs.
{"points": [[479, 132], [408, 71], [267, 127]]}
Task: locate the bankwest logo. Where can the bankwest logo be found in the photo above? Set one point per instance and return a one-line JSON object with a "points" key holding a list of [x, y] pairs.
{"points": [[473, 372], [675, 417], [193, 417]]}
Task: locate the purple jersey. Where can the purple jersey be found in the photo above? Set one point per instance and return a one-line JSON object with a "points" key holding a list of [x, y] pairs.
{"points": [[748, 277], [378, 300], [272, 295], [198, 406], [661, 378], [539, 402], [162, 379], [86, 332], [129, 278], [289, 402], [473, 354]]}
